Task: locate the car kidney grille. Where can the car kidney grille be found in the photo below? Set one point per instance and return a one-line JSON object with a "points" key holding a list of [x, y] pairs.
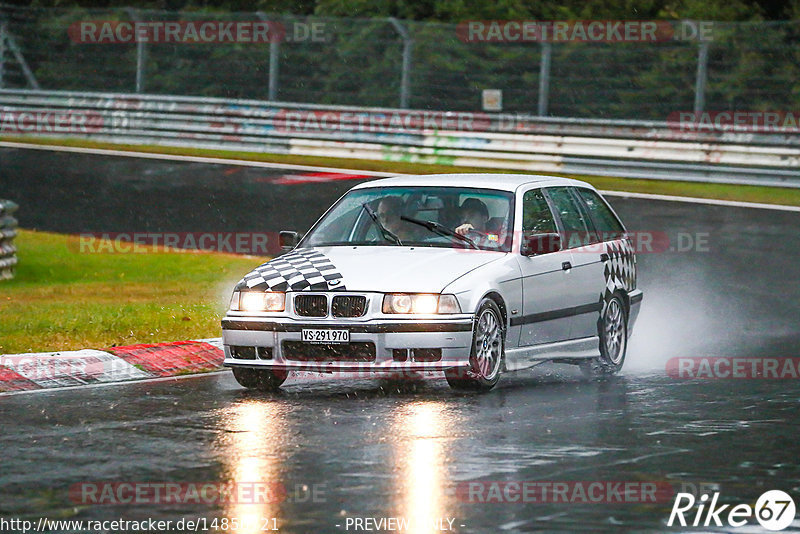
{"points": [[311, 305], [307, 352], [349, 306]]}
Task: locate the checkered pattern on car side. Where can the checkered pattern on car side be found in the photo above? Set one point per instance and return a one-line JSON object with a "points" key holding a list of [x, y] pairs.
{"points": [[620, 269], [301, 269]]}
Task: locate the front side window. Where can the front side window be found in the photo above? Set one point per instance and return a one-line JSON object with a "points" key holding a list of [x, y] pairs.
{"points": [[604, 219], [536, 215], [452, 217]]}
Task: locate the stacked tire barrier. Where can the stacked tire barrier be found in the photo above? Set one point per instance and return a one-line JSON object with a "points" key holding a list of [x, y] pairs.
{"points": [[632, 149], [8, 231]]}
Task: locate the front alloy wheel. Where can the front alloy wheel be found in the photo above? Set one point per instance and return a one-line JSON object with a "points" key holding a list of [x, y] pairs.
{"points": [[486, 356]]}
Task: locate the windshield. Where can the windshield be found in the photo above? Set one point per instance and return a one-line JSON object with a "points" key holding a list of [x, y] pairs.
{"points": [[451, 217]]}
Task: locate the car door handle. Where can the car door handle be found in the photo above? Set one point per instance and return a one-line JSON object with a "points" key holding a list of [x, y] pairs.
{"points": [[604, 257], [566, 266]]}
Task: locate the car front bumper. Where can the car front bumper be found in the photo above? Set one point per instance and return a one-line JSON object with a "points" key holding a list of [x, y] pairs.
{"points": [[452, 337]]}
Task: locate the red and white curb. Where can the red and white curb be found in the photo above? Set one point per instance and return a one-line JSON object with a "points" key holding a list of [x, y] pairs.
{"points": [[45, 370]]}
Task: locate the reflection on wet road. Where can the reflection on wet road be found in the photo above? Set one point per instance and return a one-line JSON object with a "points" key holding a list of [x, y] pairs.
{"points": [[421, 447], [351, 450], [255, 447]]}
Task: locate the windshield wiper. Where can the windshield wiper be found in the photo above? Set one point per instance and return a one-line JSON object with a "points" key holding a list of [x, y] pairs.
{"points": [[387, 235], [441, 230]]}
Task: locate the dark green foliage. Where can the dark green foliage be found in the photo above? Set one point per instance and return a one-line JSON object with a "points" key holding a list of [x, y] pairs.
{"points": [[752, 65]]}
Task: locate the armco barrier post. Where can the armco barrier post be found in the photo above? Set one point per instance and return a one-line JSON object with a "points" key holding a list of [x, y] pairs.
{"points": [[2, 51], [8, 231], [405, 75], [274, 58], [544, 79], [140, 54], [701, 79]]}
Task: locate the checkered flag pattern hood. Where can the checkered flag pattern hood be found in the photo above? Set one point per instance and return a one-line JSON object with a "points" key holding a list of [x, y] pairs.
{"points": [[301, 269]]}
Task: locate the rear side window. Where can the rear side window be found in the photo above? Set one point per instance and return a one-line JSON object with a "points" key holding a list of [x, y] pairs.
{"points": [[604, 219], [577, 229], [568, 211], [536, 216]]}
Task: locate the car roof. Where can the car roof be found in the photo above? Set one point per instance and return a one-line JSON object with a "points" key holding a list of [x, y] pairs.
{"points": [[503, 182]]}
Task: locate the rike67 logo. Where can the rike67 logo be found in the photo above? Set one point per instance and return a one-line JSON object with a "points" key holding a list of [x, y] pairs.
{"points": [[774, 510]]}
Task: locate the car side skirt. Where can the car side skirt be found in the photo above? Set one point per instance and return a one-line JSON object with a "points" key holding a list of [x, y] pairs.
{"points": [[524, 357]]}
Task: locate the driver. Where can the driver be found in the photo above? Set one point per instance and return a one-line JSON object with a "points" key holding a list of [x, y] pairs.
{"points": [[389, 211]]}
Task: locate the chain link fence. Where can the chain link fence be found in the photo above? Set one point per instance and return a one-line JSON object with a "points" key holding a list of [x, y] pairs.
{"points": [[391, 63]]}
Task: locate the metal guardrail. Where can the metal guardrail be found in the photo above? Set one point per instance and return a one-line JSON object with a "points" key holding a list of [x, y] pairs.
{"points": [[8, 231], [636, 149]]}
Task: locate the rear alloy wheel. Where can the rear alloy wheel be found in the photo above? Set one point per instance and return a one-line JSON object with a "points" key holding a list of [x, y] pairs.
{"points": [[487, 352], [260, 379], [613, 327]]}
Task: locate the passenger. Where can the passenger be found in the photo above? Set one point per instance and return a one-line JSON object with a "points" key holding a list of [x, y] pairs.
{"points": [[475, 215]]}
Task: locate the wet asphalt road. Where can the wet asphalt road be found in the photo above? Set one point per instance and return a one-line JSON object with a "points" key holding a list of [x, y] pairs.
{"points": [[74, 193], [369, 452]]}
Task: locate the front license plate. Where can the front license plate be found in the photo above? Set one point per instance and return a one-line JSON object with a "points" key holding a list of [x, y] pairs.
{"points": [[313, 335]]}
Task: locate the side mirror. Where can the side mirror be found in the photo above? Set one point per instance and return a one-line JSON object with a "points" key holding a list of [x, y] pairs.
{"points": [[288, 239], [541, 244]]}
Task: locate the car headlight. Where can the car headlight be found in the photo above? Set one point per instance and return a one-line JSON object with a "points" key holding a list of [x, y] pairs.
{"points": [[420, 303], [255, 301]]}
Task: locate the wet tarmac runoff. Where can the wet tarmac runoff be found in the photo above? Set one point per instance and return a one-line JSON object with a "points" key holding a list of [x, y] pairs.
{"points": [[707, 404]]}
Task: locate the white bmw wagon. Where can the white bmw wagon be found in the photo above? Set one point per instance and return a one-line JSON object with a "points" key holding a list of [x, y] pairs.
{"points": [[469, 275]]}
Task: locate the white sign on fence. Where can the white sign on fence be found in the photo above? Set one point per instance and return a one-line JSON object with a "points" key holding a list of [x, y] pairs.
{"points": [[492, 100]]}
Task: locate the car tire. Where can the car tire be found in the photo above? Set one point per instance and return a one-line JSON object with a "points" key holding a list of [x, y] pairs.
{"points": [[613, 332], [260, 379], [487, 352]]}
